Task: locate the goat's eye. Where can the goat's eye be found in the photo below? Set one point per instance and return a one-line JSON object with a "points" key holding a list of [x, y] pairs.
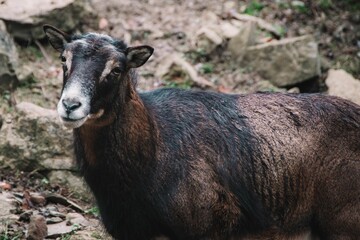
{"points": [[63, 59], [116, 71]]}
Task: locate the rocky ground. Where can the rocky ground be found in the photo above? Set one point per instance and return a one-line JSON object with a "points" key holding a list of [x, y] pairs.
{"points": [[225, 46]]}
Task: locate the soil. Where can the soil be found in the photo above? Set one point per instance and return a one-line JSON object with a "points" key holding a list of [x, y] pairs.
{"points": [[170, 26]]}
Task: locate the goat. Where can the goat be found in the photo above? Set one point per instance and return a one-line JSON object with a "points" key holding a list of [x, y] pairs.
{"points": [[191, 164]]}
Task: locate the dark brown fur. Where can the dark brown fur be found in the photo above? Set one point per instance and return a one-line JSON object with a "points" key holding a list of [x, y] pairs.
{"points": [[203, 165]]}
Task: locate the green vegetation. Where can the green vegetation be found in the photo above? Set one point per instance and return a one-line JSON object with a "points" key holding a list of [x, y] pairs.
{"points": [[5, 234], [325, 3], [177, 84], [207, 68], [34, 51], [93, 211], [253, 8]]}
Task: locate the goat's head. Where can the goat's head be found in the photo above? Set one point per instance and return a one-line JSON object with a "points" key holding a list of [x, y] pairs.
{"points": [[96, 70]]}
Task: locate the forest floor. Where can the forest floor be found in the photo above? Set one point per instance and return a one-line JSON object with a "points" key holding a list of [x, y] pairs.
{"points": [[170, 27]]}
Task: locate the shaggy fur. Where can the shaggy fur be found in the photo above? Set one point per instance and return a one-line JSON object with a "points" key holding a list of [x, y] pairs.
{"points": [[203, 165]]}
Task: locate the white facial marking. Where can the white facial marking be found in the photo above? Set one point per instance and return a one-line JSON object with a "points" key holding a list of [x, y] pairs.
{"points": [[68, 55], [74, 92], [81, 41], [108, 67]]}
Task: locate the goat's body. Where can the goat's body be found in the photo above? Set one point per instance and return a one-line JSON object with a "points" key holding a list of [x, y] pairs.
{"points": [[197, 165]]}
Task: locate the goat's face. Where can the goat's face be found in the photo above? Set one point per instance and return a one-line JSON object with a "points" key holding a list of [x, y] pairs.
{"points": [[94, 66]]}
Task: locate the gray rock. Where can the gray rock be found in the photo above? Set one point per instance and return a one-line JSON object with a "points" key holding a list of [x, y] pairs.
{"points": [[77, 219], [54, 220], [8, 60], [342, 84], [58, 229], [208, 40], [239, 43], [33, 138], [285, 62], [72, 181], [24, 19], [7, 204]]}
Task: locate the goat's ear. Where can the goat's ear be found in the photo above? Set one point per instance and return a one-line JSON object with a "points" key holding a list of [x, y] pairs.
{"points": [[137, 56], [57, 38]]}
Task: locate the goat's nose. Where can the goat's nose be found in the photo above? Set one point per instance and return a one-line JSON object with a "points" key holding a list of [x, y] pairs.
{"points": [[70, 104]]}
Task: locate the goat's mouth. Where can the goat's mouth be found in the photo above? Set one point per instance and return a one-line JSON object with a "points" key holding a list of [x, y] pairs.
{"points": [[76, 123], [73, 123]]}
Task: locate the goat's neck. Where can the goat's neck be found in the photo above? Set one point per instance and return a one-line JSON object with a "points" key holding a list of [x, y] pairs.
{"points": [[131, 131]]}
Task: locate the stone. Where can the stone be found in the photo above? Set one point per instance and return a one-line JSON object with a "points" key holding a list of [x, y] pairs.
{"points": [[58, 229], [54, 220], [37, 199], [239, 43], [7, 205], [77, 219], [174, 63], [72, 181], [8, 61], [286, 62], [342, 84], [37, 228], [24, 19], [208, 40], [33, 138], [229, 30]]}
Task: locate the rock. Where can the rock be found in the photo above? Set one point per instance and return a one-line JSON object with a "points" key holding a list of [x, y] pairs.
{"points": [[7, 205], [8, 61], [286, 62], [77, 219], [208, 40], [54, 220], [72, 181], [37, 199], [239, 43], [174, 63], [33, 138], [37, 229], [266, 86], [229, 30], [25, 216], [24, 19], [342, 84], [58, 229]]}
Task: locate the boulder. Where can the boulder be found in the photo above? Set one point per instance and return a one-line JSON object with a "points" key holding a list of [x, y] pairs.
{"points": [[240, 42], [342, 84], [7, 205], [175, 65], [24, 19], [208, 40], [286, 62], [72, 181], [8, 60], [33, 138]]}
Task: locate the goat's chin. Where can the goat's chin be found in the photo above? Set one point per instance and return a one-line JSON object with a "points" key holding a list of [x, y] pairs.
{"points": [[71, 124], [74, 124]]}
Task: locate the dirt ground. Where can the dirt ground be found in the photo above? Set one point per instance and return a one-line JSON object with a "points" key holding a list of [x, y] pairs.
{"points": [[170, 26]]}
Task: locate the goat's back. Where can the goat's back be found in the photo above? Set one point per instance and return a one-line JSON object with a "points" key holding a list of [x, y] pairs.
{"points": [[250, 162]]}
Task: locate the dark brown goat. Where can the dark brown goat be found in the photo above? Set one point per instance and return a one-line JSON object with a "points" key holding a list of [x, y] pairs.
{"points": [[202, 165]]}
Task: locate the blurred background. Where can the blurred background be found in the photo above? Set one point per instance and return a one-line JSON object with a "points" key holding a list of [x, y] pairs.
{"points": [[224, 46]]}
